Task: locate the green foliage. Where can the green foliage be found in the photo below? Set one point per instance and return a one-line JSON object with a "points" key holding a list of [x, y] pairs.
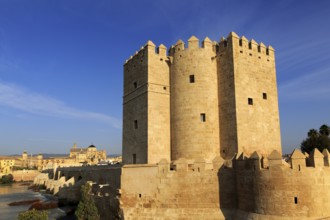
{"points": [[33, 215], [317, 139], [86, 209], [5, 179]]}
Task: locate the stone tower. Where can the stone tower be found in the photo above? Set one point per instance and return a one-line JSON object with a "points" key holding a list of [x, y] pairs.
{"points": [[25, 159], [146, 107], [201, 101], [39, 161], [194, 101], [248, 103]]}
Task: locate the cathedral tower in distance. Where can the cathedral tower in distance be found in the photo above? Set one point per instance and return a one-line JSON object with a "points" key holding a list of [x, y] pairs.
{"points": [[200, 101]]}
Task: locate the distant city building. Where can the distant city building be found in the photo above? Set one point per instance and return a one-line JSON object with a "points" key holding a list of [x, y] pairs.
{"points": [[77, 157]]}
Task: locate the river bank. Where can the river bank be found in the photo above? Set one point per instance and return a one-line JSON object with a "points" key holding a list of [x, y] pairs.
{"points": [[18, 192]]}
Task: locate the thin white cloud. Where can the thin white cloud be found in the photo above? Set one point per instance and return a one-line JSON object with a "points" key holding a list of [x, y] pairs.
{"points": [[20, 98], [314, 86]]}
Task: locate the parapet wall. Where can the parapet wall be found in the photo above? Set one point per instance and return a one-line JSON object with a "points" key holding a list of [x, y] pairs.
{"points": [[178, 190], [273, 187], [247, 187]]}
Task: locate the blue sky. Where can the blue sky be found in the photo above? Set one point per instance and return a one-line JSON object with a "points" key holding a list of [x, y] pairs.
{"points": [[61, 62]]}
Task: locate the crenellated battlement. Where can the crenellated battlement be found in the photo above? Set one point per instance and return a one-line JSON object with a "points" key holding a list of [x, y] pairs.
{"points": [[150, 49], [193, 44], [296, 161], [243, 44]]}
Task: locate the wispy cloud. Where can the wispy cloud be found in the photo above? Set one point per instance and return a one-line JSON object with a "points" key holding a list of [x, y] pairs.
{"points": [[20, 98], [314, 86]]}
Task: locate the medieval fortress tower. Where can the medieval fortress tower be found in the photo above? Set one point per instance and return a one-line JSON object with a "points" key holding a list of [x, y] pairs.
{"points": [[201, 140], [200, 101]]}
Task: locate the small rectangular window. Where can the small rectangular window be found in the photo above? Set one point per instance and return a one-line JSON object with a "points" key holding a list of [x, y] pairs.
{"points": [[240, 42], [295, 200], [250, 45], [259, 49], [250, 101], [134, 158], [267, 51], [264, 95], [203, 117], [192, 78], [135, 85], [135, 124]]}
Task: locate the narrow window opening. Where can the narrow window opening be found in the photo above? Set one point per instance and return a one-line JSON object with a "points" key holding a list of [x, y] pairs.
{"points": [[136, 124], [267, 51], [134, 158], [250, 101], [295, 200], [192, 78], [240, 42], [164, 87], [225, 43], [259, 49], [298, 167], [250, 45], [264, 95], [203, 117], [140, 195], [135, 85], [198, 169]]}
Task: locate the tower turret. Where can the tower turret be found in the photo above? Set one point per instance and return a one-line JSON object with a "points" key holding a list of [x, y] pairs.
{"points": [[194, 101]]}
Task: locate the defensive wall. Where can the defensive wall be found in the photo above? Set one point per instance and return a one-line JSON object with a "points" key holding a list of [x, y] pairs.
{"points": [[24, 175], [66, 183], [246, 187]]}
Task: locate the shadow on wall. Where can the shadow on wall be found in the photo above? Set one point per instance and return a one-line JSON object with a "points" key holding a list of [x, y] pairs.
{"points": [[227, 191]]}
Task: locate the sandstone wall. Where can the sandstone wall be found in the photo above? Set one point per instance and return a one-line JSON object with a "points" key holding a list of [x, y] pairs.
{"points": [[159, 128], [227, 101], [185, 192]]}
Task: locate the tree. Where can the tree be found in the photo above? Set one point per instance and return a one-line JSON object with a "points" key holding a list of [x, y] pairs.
{"points": [[33, 215], [86, 209], [317, 139], [325, 130], [5, 179]]}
